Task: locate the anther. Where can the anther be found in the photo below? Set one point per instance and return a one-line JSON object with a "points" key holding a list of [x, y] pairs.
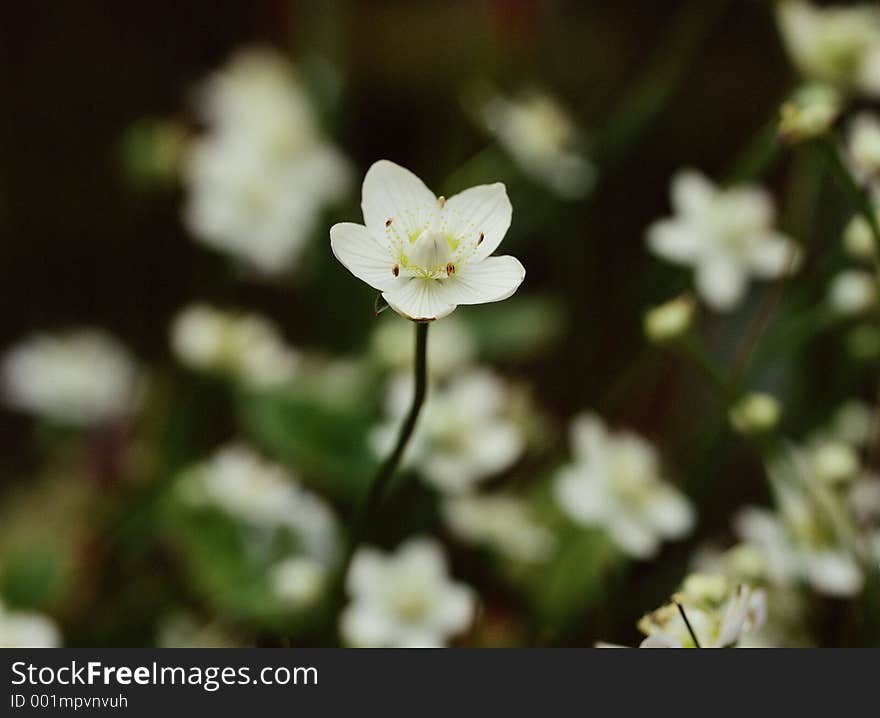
{"points": [[395, 270], [388, 222], [441, 200], [450, 269], [480, 240]]}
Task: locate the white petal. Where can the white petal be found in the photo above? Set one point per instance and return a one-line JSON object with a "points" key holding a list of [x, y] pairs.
{"points": [[692, 193], [721, 283], [834, 573], [367, 572], [774, 255], [660, 640], [393, 192], [485, 210], [675, 240], [454, 609], [365, 627], [489, 280], [421, 300], [423, 556], [582, 494], [631, 536], [363, 256], [669, 512], [734, 620]]}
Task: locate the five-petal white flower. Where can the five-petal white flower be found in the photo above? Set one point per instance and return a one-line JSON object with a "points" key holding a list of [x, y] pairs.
{"points": [[615, 483], [427, 254], [725, 234], [465, 434], [404, 600]]}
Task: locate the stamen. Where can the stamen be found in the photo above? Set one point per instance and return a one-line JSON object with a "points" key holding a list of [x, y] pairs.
{"points": [[441, 200], [395, 270], [450, 269], [388, 222], [480, 240]]}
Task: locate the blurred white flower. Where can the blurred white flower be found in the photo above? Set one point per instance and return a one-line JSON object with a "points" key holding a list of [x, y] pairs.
{"points": [[726, 235], [463, 436], [265, 495], [25, 629], [298, 581], [260, 176], [839, 45], [427, 254], [80, 377], [405, 599], [852, 291], [863, 146], [500, 522], [718, 620], [245, 346], [452, 346], [543, 140], [793, 546], [615, 483]]}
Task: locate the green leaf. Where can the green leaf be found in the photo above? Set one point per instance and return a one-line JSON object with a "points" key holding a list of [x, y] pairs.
{"points": [[325, 445]]}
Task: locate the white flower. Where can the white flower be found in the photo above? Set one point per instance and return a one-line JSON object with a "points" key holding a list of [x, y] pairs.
{"points": [[405, 599], [725, 234], [615, 483], [716, 622], [839, 45], [25, 629], [263, 494], [853, 291], [863, 146], [542, 139], [795, 547], [427, 254], [261, 175], [80, 377], [463, 435], [500, 522], [245, 346], [451, 347], [298, 581]]}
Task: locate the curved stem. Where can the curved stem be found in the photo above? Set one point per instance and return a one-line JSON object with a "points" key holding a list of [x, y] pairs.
{"points": [[859, 196], [379, 485]]}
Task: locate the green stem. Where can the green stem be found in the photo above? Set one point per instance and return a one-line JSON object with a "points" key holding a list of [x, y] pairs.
{"points": [[695, 351], [379, 486], [859, 196]]}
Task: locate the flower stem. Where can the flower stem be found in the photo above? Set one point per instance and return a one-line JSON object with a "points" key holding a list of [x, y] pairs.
{"points": [[687, 623], [379, 485], [857, 194]]}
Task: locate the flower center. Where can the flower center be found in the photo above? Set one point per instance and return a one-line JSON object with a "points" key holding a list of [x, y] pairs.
{"points": [[429, 257]]}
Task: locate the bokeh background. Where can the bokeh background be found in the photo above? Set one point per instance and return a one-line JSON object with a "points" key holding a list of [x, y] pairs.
{"points": [[93, 235]]}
